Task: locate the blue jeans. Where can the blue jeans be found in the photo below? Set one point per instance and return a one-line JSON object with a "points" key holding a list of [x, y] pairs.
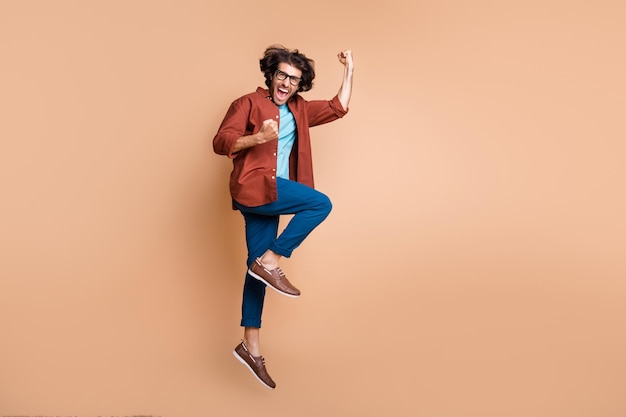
{"points": [[309, 207]]}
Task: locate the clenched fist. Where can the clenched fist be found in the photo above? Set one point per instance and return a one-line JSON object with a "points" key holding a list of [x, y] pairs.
{"points": [[268, 131], [345, 57]]}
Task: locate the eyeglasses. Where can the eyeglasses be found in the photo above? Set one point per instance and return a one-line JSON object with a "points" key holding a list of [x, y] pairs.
{"points": [[281, 76]]}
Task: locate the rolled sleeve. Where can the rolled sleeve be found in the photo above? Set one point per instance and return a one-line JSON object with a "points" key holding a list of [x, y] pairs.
{"points": [[232, 128], [325, 111], [335, 104]]}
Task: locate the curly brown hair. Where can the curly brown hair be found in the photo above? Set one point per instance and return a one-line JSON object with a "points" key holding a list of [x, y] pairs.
{"points": [[275, 54]]}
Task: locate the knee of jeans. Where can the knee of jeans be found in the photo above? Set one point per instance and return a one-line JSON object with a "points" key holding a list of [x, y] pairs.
{"points": [[325, 205]]}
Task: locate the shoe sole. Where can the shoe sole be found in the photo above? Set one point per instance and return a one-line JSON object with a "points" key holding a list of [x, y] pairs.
{"points": [[258, 278], [240, 359]]}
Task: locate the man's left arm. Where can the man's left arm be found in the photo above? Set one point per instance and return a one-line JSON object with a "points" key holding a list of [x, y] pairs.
{"points": [[324, 111], [345, 91]]}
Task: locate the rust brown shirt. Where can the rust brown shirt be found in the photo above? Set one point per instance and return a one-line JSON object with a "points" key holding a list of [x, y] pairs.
{"points": [[253, 179]]}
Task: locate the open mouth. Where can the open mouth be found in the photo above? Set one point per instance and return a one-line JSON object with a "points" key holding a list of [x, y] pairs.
{"points": [[282, 93]]}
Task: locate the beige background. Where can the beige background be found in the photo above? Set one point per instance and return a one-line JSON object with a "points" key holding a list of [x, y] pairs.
{"points": [[473, 264]]}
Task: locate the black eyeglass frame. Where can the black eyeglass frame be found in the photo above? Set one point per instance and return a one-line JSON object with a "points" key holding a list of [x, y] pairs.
{"points": [[282, 75]]}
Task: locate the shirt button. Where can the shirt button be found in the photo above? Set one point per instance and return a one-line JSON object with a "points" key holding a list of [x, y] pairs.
{"points": [[274, 169], [277, 116], [272, 177], [274, 153]]}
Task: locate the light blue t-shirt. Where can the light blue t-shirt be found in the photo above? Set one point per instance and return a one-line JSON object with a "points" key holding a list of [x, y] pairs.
{"points": [[286, 137]]}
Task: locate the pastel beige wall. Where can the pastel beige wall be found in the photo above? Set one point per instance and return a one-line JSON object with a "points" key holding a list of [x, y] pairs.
{"points": [[473, 263]]}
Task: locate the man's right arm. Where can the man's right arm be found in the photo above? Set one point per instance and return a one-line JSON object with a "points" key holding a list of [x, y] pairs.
{"points": [[268, 132], [231, 138]]}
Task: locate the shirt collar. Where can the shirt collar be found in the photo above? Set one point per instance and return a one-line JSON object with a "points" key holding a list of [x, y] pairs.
{"points": [[264, 92]]}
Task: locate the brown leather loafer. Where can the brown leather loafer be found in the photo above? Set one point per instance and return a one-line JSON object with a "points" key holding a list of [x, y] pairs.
{"points": [[256, 365], [275, 278]]}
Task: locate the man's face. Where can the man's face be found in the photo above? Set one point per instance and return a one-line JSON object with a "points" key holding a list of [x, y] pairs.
{"points": [[282, 90]]}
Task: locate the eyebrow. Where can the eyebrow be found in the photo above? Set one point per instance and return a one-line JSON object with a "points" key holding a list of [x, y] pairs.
{"points": [[286, 73]]}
